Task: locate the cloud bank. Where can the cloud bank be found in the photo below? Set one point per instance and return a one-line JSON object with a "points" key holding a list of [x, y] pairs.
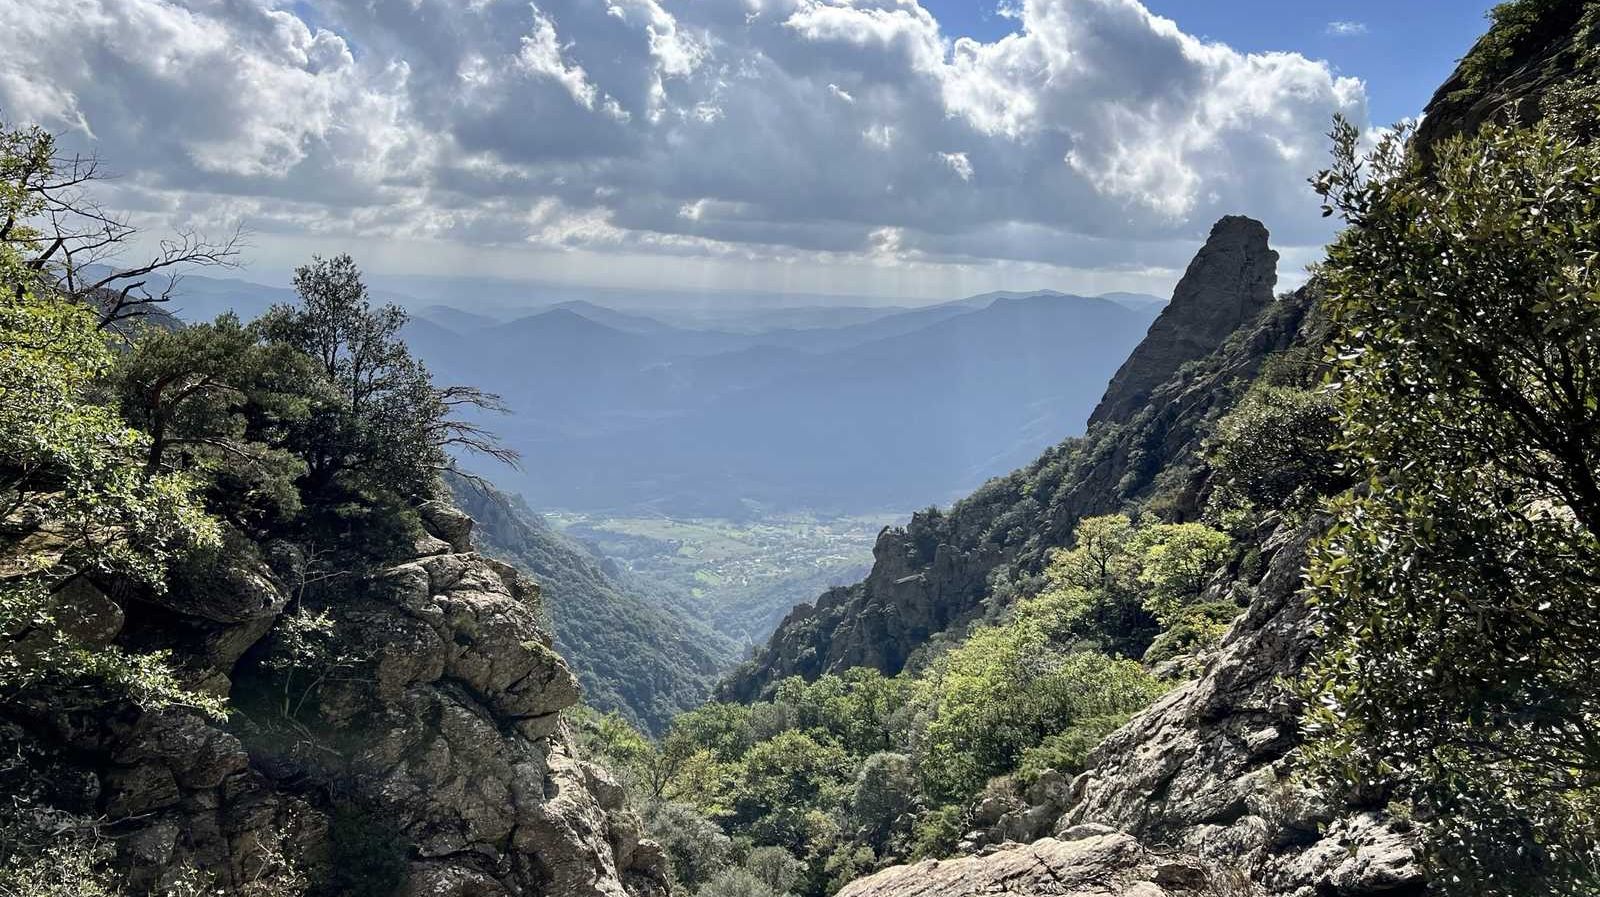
{"points": [[842, 132]]}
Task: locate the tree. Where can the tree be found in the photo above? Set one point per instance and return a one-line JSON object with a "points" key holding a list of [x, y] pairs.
{"points": [[1457, 589], [1273, 454], [1176, 562], [77, 501], [1120, 583], [216, 403], [66, 239], [886, 790], [1005, 690], [376, 425]]}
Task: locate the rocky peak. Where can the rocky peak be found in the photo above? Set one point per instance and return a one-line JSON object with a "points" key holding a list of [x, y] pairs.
{"points": [[1226, 286]]}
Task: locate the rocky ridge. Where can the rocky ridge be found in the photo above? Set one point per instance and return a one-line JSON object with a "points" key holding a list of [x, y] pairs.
{"points": [[1204, 777], [935, 574], [1227, 285], [428, 751]]}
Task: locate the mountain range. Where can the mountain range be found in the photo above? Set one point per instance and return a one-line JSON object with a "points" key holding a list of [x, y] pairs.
{"points": [[620, 407], [618, 412]]}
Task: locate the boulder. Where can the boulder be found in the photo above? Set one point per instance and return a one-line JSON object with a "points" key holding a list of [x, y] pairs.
{"points": [[1110, 865]]}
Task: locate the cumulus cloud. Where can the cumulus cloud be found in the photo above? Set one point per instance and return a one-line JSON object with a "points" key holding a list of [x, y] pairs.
{"points": [[1096, 134], [1347, 29]]}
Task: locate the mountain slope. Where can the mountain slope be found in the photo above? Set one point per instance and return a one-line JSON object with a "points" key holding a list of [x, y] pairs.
{"points": [[881, 425], [938, 571], [638, 659]]}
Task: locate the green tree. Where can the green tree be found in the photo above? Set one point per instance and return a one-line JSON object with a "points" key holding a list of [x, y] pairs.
{"points": [[1176, 561], [217, 403], [1005, 690], [378, 417], [886, 790], [1457, 588], [1273, 454], [77, 501]]}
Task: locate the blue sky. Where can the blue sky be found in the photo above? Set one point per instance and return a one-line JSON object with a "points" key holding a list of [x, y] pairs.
{"points": [[1402, 49]]}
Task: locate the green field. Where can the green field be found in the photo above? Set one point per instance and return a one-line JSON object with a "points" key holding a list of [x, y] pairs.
{"points": [[742, 577]]}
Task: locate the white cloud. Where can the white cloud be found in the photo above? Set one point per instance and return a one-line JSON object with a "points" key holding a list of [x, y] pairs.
{"points": [[541, 55], [959, 163], [806, 131], [1347, 29]]}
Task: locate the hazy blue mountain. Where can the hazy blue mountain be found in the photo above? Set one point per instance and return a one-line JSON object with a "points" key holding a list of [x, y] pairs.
{"points": [[452, 318], [622, 410], [1143, 302], [885, 424]]}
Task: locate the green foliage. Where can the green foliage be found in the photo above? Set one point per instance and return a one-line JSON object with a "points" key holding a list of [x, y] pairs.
{"points": [[217, 403], [1518, 26], [371, 429], [1121, 584], [1176, 561], [938, 831], [1273, 454], [886, 789], [854, 771], [696, 847], [1067, 752], [76, 499], [1007, 689], [1192, 629], [737, 882], [1456, 589]]}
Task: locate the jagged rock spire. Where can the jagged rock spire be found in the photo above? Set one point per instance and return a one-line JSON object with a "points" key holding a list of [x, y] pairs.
{"points": [[1228, 283]]}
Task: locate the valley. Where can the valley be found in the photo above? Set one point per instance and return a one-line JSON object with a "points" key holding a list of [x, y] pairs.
{"points": [[647, 484], [740, 577]]}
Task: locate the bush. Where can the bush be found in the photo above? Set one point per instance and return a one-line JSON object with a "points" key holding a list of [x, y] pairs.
{"points": [[1067, 752], [1196, 628], [1273, 453], [697, 848]]}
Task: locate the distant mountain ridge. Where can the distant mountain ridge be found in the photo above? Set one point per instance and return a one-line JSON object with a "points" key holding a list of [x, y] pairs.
{"points": [[620, 411], [874, 416]]}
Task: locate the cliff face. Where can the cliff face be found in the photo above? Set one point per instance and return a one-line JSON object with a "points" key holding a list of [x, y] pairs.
{"points": [[633, 656], [1195, 795], [422, 753], [937, 572], [1533, 48], [1227, 285]]}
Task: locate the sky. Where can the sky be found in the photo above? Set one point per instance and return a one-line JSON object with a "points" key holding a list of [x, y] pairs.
{"points": [[875, 148]]}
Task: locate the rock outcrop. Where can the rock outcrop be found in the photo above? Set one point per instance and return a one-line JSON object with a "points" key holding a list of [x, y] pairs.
{"points": [[1509, 71], [1202, 779], [936, 573], [1227, 285], [422, 749], [1094, 865]]}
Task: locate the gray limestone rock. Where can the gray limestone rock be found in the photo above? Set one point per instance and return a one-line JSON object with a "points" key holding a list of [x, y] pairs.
{"points": [[1227, 285]]}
